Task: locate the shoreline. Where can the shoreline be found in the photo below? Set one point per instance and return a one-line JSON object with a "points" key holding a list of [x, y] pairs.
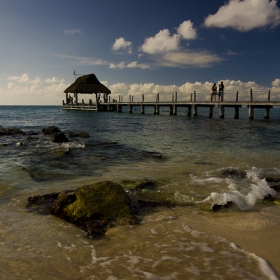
{"points": [[255, 232]]}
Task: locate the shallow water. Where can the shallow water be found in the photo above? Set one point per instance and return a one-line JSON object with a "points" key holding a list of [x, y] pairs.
{"points": [[186, 155]]}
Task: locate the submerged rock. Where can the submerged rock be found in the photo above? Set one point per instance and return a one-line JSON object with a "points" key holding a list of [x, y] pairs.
{"points": [[95, 207], [233, 173], [42, 203], [50, 130], [59, 138], [10, 131]]}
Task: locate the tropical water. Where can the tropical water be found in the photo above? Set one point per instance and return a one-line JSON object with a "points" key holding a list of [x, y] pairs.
{"points": [[190, 158]]}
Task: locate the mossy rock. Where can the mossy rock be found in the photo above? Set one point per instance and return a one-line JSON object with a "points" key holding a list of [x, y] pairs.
{"points": [[277, 201], [50, 130], [96, 207], [83, 134]]}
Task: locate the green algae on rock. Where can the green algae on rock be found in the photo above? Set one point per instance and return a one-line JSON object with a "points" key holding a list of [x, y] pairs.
{"points": [[95, 207]]}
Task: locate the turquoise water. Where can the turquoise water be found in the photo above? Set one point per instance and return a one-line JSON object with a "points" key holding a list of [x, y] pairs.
{"points": [[187, 155]]}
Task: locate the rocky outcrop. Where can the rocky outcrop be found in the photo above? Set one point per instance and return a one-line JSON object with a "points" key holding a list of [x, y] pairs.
{"points": [[50, 130], [59, 138], [10, 131], [94, 207]]}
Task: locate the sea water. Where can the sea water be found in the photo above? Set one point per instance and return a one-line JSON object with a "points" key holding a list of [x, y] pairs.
{"points": [[189, 156]]}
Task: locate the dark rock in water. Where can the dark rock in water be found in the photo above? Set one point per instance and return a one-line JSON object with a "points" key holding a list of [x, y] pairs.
{"points": [[95, 207], [80, 134], [42, 203], [61, 151], [233, 173], [59, 138], [10, 131], [50, 130], [216, 207], [83, 134], [139, 185], [269, 197], [274, 183]]}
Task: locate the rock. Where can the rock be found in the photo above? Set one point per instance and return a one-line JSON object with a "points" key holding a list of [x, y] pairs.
{"points": [[95, 207], [42, 203], [274, 183], [61, 151], [216, 207], [83, 134], [277, 201], [59, 138], [233, 173], [10, 131], [50, 130], [139, 185]]}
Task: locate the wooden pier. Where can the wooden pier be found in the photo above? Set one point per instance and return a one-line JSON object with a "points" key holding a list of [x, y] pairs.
{"points": [[192, 105]]}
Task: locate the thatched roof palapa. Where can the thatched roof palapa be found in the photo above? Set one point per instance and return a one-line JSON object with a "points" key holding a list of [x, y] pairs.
{"points": [[87, 84]]}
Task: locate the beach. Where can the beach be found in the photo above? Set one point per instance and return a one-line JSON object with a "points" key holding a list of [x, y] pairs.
{"points": [[196, 163]]}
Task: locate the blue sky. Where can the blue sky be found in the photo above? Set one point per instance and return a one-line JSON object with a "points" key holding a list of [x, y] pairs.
{"points": [[138, 47]]}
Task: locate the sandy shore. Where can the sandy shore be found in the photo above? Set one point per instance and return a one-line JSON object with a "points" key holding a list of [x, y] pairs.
{"points": [[256, 232]]}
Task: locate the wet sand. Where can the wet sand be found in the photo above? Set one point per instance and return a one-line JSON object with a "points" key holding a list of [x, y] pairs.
{"points": [[255, 232]]}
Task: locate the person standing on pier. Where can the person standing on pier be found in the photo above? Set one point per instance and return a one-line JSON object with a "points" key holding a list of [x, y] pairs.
{"points": [[221, 91], [213, 92]]}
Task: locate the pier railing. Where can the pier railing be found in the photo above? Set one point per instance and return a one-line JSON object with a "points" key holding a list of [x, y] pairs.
{"points": [[192, 101]]}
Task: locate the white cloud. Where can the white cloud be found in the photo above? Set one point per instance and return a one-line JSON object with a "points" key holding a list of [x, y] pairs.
{"points": [[186, 30], [161, 42], [54, 80], [276, 83], [245, 15], [189, 58], [133, 64], [72, 31], [24, 78], [122, 44], [82, 60]]}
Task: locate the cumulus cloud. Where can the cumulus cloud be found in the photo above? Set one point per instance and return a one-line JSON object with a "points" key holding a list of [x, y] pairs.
{"points": [[53, 80], [72, 31], [122, 44], [161, 42], [276, 83], [24, 78], [245, 15], [186, 30], [82, 60]]}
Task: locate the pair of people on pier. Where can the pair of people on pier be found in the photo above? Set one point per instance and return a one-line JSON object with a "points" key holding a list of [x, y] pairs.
{"points": [[220, 92]]}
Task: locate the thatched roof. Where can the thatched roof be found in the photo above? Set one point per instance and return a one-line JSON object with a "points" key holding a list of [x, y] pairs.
{"points": [[87, 84]]}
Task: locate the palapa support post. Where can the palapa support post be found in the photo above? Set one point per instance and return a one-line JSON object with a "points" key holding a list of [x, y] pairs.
{"points": [[142, 97], [191, 97], [236, 97], [175, 96], [268, 96], [194, 96], [142, 105], [222, 112], [119, 98], [251, 95]]}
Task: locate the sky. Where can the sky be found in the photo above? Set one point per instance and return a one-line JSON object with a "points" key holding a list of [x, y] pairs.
{"points": [[137, 47]]}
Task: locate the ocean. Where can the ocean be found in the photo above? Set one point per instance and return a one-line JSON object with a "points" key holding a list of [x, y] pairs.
{"points": [[198, 162]]}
